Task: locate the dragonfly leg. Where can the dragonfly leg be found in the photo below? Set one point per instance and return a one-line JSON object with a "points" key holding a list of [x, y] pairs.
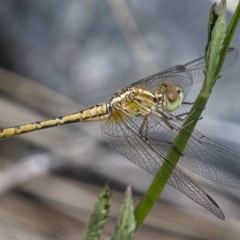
{"points": [[179, 116], [166, 117], [170, 126], [188, 103], [144, 127], [176, 119], [144, 130], [191, 103]]}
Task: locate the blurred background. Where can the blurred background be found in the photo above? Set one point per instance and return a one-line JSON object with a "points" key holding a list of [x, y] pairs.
{"points": [[59, 57]]}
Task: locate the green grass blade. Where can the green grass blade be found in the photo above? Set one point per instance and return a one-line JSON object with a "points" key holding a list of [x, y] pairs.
{"points": [[99, 216], [126, 222]]}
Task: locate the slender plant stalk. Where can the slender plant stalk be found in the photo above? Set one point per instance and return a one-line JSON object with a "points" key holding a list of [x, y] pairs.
{"points": [[218, 44]]}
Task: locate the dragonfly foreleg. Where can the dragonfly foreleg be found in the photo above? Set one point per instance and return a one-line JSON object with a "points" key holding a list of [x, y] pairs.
{"points": [[187, 103], [179, 116], [190, 113]]}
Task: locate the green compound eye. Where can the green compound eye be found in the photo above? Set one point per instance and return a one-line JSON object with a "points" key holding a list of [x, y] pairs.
{"points": [[173, 95]]}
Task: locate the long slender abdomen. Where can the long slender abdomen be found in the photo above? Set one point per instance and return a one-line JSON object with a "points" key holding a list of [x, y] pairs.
{"points": [[96, 113]]}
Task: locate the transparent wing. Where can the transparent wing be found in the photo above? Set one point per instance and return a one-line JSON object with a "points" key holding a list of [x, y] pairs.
{"points": [[202, 155], [122, 133], [181, 75], [184, 75]]}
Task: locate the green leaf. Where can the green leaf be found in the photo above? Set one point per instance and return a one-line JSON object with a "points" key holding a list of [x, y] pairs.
{"points": [[99, 216], [229, 35], [213, 16], [213, 51], [126, 221]]}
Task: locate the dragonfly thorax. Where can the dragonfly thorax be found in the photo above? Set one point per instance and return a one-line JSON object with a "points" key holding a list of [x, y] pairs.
{"points": [[171, 94], [122, 98]]}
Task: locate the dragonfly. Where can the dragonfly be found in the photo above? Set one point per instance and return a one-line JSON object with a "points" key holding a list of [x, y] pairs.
{"points": [[140, 123]]}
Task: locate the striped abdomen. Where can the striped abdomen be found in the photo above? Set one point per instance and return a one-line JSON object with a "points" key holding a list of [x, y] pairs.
{"points": [[95, 113]]}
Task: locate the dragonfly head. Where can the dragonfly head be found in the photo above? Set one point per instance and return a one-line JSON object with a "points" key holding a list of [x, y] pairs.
{"points": [[172, 95]]}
